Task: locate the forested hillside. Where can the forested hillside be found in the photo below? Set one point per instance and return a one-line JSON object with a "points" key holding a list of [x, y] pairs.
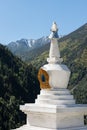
{"points": [[74, 52], [18, 84]]}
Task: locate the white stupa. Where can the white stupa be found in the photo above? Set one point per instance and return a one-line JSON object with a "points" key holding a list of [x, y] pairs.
{"points": [[55, 107]]}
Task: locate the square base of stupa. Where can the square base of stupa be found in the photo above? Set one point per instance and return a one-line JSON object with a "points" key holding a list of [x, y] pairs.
{"points": [[27, 127], [54, 117]]}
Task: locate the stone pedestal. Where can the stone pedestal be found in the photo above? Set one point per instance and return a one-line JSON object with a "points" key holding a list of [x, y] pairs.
{"points": [[54, 110]]}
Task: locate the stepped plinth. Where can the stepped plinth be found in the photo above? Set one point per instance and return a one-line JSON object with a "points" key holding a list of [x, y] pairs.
{"points": [[55, 107], [55, 110]]}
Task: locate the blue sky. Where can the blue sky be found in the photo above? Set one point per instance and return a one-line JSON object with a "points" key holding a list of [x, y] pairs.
{"points": [[33, 18]]}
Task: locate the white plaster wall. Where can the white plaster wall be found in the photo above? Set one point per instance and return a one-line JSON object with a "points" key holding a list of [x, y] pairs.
{"points": [[59, 79], [54, 49], [58, 75], [44, 120], [70, 120]]}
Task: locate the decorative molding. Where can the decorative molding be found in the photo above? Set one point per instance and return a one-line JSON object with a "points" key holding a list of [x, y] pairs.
{"points": [[43, 84]]}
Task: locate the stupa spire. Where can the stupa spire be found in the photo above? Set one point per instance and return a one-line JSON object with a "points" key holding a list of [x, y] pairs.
{"points": [[54, 27], [54, 53]]}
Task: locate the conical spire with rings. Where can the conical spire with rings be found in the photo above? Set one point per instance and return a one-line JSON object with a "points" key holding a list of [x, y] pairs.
{"points": [[54, 53]]}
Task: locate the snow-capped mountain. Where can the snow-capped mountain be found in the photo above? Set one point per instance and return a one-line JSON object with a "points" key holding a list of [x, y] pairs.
{"points": [[27, 44]]}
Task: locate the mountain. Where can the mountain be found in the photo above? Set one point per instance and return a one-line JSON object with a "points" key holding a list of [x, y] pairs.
{"points": [[74, 52], [73, 49], [24, 45], [18, 84]]}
